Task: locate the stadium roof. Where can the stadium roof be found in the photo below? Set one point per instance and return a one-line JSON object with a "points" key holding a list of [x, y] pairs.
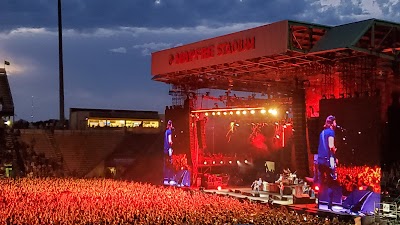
{"points": [[276, 55]]}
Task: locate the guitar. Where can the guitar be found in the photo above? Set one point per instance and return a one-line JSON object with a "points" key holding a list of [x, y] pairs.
{"points": [[333, 164]]}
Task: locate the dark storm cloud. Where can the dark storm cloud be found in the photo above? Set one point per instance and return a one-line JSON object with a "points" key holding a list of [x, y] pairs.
{"points": [[88, 14], [389, 8], [106, 68], [107, 44], [91, 14]]}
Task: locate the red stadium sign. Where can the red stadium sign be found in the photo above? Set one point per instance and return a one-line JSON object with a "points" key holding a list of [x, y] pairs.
{"points": [[267, 40], [224, 48]]}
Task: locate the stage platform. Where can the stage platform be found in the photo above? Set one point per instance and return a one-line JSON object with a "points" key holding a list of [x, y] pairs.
{"points": [[276, 199], [260, 196]]}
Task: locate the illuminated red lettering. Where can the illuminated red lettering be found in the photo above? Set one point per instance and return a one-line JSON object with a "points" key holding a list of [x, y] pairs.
{"points": [[234, 46], [192, 55], [171, 59], [240, 45], [228, 48], [250, 43], [224, 48], [220, 49], [212, 52]]}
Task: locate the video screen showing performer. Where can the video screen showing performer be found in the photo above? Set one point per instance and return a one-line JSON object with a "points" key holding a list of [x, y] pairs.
{"points": [[168, 168], [347, 161]]}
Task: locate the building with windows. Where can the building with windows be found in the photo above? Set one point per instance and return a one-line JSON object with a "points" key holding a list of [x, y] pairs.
{"points": [[83, 118]]}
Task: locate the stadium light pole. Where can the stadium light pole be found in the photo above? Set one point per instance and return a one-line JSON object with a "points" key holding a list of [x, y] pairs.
{"points": [[60, 66]]}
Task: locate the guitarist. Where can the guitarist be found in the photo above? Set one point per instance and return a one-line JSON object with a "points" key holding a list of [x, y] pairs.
{"points": [[326, 157]]}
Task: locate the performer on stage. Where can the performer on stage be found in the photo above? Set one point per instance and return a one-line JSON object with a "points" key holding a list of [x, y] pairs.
{"points": [[326, 158], [168, 170]]}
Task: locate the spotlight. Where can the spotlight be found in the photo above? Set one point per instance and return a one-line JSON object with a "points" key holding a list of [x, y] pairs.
{"points": [[273, 112], [222, 162], [263, 111], [213, 162], [213, 113], [219, 188], [205, 162], [230, 113], [238, 161], [218, 113], [245, 161], [252, 111], [237, 112], [244, 112], [230, 162], [277, 136], [206, 114], [225, 113]]}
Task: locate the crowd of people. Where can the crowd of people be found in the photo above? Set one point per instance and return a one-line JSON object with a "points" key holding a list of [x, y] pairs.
{"points": [[103, 201], [354, 177]]}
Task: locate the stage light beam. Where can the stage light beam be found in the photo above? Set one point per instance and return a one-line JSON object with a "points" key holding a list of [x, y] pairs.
{"points": [[273, 112]]}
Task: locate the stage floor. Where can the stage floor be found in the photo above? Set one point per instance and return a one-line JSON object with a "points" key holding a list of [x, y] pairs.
{"points": [[276, 199], [245, 192]]}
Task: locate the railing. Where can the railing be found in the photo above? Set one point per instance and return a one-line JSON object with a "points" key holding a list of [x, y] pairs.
{"points": [[386, 212]]}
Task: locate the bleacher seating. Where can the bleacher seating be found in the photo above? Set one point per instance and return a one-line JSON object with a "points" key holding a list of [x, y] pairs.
{"points": [[39, 141], [84, 150]]}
